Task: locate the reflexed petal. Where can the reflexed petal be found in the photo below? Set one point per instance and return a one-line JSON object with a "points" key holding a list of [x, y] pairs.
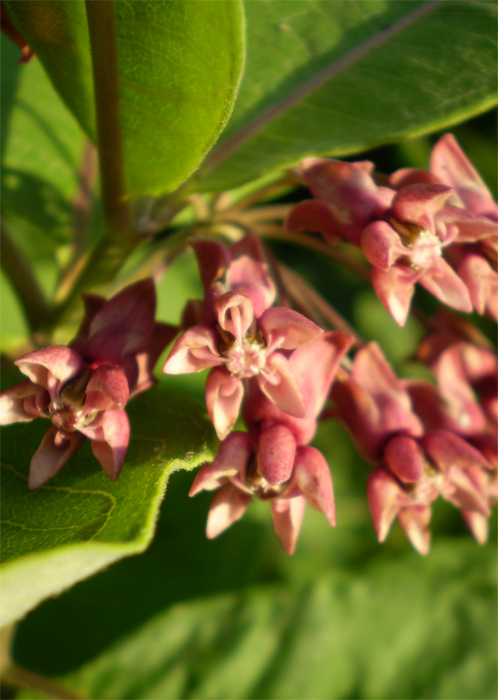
{"points": [[287, 329], [235, 314], [22, 403], [287, 517], [107, 389], [317, 216], [224, 395], [276, 453], [195, 350], [411, 176], [111, 451], [280, 386], [385, 497], [481, 281], [54, 452], [415, 522], [93, 304], [213, 260], [463, 492], [478, 524], [451, 166], [228, 505], [162, 335], [248, 273], [232, 458], [395, 289], [418, 203], [405, 458], [382, 245], [447, 450], [444, 283], [63, 364], [312, 475], [123, 325]]}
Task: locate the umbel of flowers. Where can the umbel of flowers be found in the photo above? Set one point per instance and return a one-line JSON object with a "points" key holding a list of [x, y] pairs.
{"points": [[83, 389], [276, 368]]}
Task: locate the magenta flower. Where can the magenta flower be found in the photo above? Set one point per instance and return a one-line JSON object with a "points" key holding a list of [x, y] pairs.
{"points": [[272, 462], [84, 388], [373, 404], [417, 472], [239, 347]]}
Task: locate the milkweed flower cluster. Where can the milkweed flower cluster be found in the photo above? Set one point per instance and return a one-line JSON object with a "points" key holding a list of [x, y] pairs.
{"points": [[437, 228], [276, 369], [83, 389], [280, 365]]}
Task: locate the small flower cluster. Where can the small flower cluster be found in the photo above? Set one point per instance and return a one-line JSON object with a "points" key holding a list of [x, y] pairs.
{"points": [[282, 366], [426, 440], [83, 389], [406, 223]]}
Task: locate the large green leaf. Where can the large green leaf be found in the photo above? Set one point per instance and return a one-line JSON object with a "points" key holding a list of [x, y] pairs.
{"points": [[409, 628], [338, 77], [42, 153], [81, 522], [179, 65]]}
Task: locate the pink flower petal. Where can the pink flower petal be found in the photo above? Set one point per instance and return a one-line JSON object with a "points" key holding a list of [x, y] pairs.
{"points": [[228, 506], [382, 245], [312, 475], [395, 289], [57, 360], [248, 273], [287, 517], [54, 452], [405, 458], [123, 325], [213, 260], [417, 204], [444, 283], [415, 522], [452, 167], [478, 524], [317, 216], [111, 451], [481, 281], [287, 329], [447, 450], [276, 453], [23, 402], [107, 389], [162, 335], [385, 498], [280, 386], [93, 304], [232, 458], [235, 314], [195, 350], [224, 395]]}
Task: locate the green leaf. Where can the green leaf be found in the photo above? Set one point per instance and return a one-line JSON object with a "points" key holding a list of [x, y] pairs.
{"points": [[42, 153], [339, 77], [179, 65], [408, 628], [81, 522]]}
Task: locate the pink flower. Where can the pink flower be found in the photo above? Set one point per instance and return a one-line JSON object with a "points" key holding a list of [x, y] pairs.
{"points": [[84, 388], [272, 462], [418, 471], [241, 346], [373, 404]]}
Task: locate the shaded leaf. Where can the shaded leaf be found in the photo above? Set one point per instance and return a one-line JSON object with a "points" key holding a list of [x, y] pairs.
{"points": [[338, 77], [406, 628], [81, 522]]}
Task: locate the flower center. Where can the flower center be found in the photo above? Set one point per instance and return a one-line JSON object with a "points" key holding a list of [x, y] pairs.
{"points": [[67, 410], [245, 359]]}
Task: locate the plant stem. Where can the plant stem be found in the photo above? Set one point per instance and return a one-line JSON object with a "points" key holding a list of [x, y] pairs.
{"points": [[18, 677], [21, 275], [120, 237]]}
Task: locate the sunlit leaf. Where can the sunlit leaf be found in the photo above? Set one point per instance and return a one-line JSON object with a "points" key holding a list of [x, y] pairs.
{"points": [[339, 77]]}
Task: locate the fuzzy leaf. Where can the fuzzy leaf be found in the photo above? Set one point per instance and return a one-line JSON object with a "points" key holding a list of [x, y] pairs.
{"points": [[80, 522], [339, 77]]}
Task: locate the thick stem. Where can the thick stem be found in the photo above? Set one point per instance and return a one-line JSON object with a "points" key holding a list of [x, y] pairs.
{"points": [[21, 275]]}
